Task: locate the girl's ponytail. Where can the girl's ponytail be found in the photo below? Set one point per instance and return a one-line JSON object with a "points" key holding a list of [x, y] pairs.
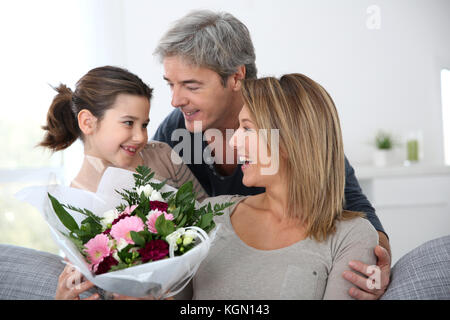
{"points": [[62, 124]]}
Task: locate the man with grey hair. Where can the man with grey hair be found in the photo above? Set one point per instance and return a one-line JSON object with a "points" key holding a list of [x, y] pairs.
{"points": [[205, 55]]}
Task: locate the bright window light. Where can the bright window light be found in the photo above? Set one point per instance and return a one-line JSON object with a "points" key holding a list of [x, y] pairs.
{"points": [[445, 91]]}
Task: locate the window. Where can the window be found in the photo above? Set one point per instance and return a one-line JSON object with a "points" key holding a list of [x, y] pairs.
{"points": [[445, 92], [42, 45]]}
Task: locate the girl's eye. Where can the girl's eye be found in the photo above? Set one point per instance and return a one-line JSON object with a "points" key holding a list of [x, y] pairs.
{"points": [[246, 129]]}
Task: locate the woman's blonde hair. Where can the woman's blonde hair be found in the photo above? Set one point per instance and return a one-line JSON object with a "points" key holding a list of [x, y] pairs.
{"points": [[311, 141]]}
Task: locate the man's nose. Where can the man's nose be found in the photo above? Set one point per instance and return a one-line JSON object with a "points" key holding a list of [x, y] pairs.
{"points": [[178, 99]]}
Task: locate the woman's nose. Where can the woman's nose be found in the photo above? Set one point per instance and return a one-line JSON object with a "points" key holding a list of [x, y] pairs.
{"points": [[234, 141]]}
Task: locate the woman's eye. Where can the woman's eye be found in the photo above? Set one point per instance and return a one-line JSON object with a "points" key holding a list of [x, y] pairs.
{"points": [[246, 129], [129, 123]]}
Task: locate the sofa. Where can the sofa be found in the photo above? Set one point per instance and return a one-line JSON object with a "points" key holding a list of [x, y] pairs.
{"points": [[422, 274]]}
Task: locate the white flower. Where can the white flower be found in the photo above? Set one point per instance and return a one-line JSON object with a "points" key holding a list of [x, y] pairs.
{"points": [[122, 243], [156, 196], [189, 236], [108, 218], [116, 256], [111, 244], [147, 189], [174, 236]]}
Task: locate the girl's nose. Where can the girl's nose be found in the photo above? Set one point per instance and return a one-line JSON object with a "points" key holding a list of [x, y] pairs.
{"points": [[140, 135]]}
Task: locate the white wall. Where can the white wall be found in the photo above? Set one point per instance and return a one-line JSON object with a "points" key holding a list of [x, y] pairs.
{"points": [[387, 78]]}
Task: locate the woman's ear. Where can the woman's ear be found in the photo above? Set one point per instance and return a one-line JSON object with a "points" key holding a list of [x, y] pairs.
{"points": [[283, 154], [87, 122], [237, 77]]}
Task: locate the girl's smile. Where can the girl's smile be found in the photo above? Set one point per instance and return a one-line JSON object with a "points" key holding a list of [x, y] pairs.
{"points": [[122, 132]]}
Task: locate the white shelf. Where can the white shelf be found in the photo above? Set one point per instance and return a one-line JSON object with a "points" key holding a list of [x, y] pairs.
{"points": [[371, 172]]}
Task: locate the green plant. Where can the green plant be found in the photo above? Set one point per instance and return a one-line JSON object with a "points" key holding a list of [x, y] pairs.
{"points": [[384, 140]]}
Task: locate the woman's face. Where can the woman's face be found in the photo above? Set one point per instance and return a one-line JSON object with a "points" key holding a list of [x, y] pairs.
{"points": [[122, 133], [252, 149]]}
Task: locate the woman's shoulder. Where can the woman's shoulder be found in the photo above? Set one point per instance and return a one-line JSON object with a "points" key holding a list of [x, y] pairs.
{"points": [[356, 229]]}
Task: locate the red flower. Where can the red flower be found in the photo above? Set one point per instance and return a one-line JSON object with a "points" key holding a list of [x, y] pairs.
{"points": [[158, 205], [154, 250], [106, 265]]}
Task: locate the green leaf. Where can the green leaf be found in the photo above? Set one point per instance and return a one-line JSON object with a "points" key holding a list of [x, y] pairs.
{"points": [[205, 220], [138, 212], [183, 221], [166, 195], [175, 213], [66, 219], [124, 254], [137, 238], [163, 226], [147, 235], [185, 190]]}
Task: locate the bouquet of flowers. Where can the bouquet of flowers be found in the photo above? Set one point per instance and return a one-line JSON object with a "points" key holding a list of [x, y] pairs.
{"points": [[147, 239]]}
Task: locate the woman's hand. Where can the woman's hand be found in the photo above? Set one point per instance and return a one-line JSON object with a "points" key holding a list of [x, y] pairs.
{"points": [[70, 285]]}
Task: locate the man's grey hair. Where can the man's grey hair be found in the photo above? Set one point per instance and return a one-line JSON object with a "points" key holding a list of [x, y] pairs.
{"points": [[217, 41]]}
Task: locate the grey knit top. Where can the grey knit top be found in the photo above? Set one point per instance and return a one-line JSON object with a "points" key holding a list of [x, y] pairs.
{"points": [[307, 269]]}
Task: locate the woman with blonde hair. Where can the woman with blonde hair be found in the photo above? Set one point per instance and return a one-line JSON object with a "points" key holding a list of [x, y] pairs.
{"points": [[295, 240]]}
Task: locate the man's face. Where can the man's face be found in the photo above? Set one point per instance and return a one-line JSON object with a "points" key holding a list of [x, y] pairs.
{"points": [[199, 94]]}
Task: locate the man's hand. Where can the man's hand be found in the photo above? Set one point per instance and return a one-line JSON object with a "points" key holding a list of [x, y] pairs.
{"points": [[370, 288]]}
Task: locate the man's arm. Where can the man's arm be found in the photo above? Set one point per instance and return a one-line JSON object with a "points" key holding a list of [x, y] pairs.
{"points": [[357, 201]]}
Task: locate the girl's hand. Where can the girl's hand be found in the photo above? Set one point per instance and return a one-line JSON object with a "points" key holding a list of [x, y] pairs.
{"points": [[70, 285]]}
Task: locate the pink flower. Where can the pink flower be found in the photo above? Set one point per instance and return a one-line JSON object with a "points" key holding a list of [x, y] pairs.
{"points": [[97, 249], [151, 219], [121, 230], [129, 210]]}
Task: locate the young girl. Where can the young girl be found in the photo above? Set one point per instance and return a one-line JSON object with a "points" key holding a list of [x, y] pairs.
{"points": [[109, 112]]}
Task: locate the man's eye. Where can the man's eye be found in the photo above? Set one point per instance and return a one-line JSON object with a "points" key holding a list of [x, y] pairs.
{"points": [[145, 125], [192, 88]]}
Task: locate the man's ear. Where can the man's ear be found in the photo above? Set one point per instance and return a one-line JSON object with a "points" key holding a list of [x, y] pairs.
{"points": [[87, 122], [237, 77]]}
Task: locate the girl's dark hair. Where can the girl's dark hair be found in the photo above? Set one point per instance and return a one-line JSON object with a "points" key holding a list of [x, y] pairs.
{"points": [[96, 91]]}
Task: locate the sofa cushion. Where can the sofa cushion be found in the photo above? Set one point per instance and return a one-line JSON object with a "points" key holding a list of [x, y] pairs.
{"points": [[27, 273], [423, 273]]}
